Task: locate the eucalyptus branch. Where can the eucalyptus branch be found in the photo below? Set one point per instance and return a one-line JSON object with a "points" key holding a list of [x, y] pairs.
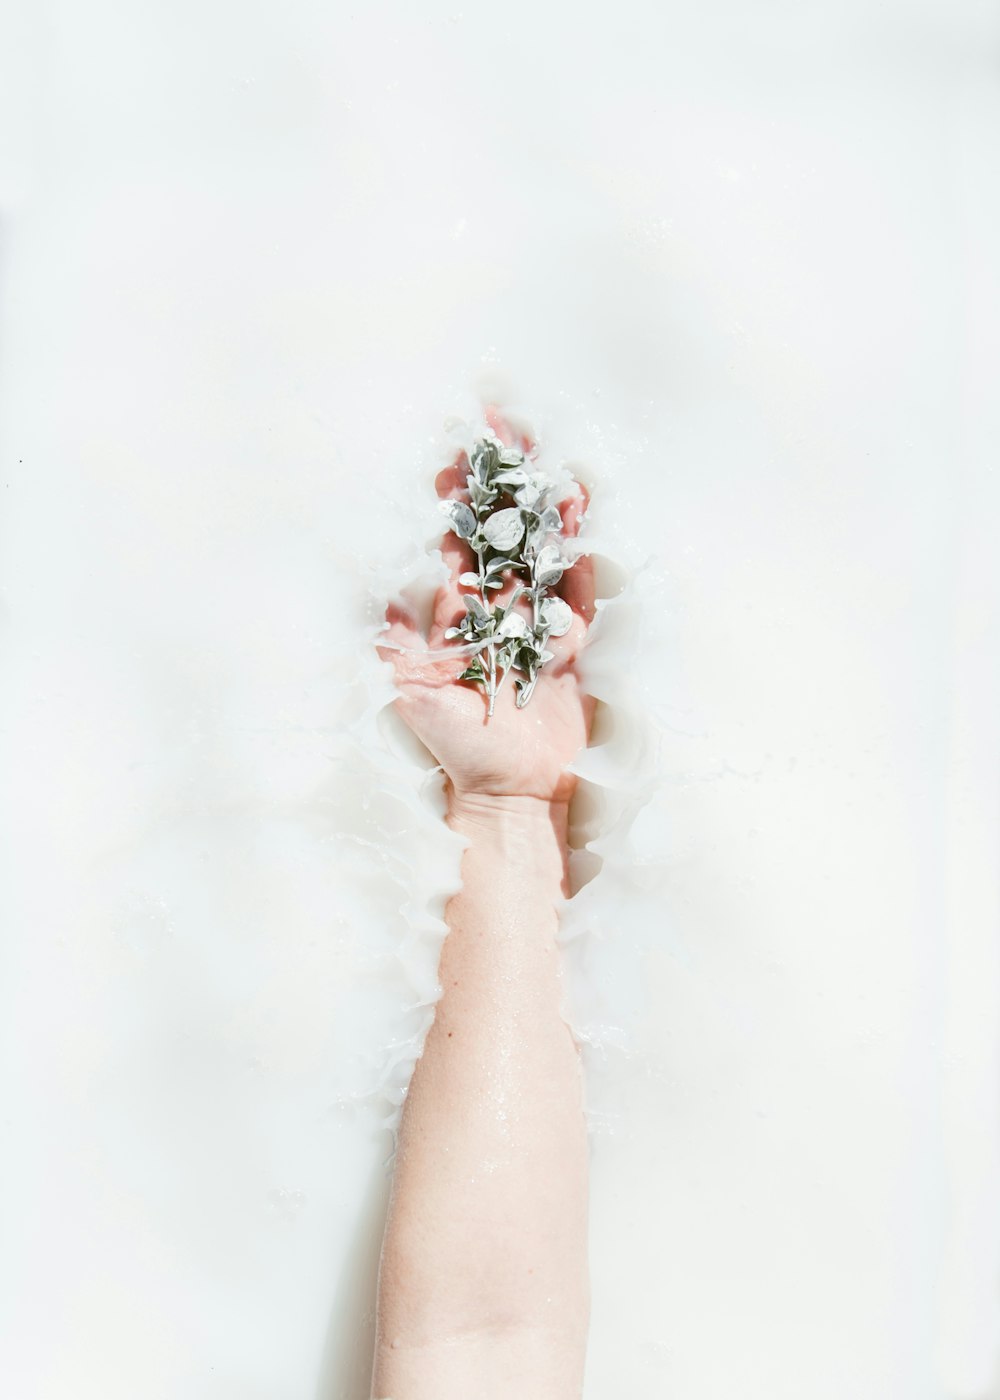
{"points": [[508, 523]]}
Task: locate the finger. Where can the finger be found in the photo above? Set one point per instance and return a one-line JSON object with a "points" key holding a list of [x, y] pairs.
{"points": [[508, 434], [401, 641], [401, 626], [415, 669], [574, 508], [577, 584], [450, 481], [459, 557], [448, 611], [450, 485], [567, 647], [577, 588]]}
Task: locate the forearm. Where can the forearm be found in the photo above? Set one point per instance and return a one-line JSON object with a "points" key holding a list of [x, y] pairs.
{"points": [[486, 1236]]}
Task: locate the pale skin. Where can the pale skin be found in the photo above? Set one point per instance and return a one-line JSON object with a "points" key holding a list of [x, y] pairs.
{"points": [[483, 1284]]}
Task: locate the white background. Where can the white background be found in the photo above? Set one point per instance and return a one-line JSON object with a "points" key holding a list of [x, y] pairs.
{"points": [[736, 262]]}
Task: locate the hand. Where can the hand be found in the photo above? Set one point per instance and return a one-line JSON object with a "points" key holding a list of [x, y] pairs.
{"points": [[516, 753]]}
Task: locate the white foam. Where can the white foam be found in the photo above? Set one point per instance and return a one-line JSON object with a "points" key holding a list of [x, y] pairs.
{"points": [[735, 263]]}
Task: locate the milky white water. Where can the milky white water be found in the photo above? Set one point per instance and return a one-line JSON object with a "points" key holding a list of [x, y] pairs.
{"points": [[734, 264]]}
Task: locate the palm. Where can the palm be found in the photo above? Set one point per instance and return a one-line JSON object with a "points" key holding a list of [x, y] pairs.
{"points": [[517, 752]]}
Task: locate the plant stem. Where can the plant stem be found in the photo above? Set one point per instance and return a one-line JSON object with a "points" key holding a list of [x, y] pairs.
{"points": [[491, 687], [536, 595]]}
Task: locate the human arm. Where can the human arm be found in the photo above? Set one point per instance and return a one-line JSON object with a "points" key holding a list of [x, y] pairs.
{"points": [[483, 1283], [483, 1286]]}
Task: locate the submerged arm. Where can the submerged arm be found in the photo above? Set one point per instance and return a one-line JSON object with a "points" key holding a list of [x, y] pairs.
{"points": [[483, 1286]]}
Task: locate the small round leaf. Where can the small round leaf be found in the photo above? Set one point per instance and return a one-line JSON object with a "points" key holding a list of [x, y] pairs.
{"points": [[504, 529], [510, 476], [513, 625], [533, 489], [556, 616], [463, 522], [548, 565]]}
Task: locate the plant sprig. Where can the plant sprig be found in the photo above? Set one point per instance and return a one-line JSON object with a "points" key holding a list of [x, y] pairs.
{"points": [[509, 523]]}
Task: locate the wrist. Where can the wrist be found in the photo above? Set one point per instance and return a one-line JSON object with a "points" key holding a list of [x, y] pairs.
{"points": [[530, 831], [507, 809]]}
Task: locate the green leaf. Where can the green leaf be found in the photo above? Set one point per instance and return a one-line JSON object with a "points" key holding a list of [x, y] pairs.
{"points": [[475, 608], [513, 625], [511, 477], [500, 563], [481, 497], [548, 566], [532, 491], [462, 520], [485, 457], [556, 616], [504, 529], [524, 690]]}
